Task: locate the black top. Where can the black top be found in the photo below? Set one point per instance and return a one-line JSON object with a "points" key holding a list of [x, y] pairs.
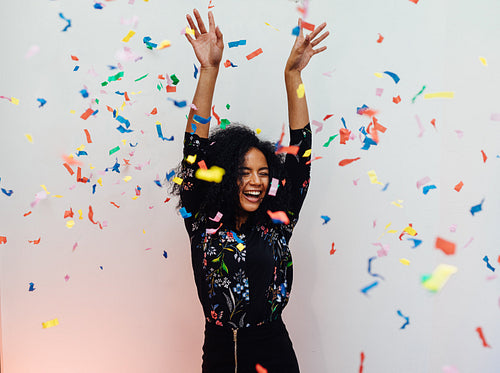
{"points": [[243, 278]]}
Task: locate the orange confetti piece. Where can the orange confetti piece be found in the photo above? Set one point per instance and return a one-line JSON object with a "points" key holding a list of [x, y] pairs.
{"points": [[344, 135], [380, 38], [254, 54], [447, 247], [35, 242], [161, 77], [215, 115], [484, 156], [75, 58], [279, 215], [227, 63], [314, 159], [332, 250], [202, 165], [110, 108], [79, 176], [396, 99], [126, 96], [71, 161], [307, 26], [459, 186], [168, 199], [259, 368], [91, 217], [479, 330], [433, 122], [154, 111], [87, 134], [68, 167], [114, 204], [26, 214], [87, 114], [414, 1], [171, 88], [68, 213], [3, 239], [345, 162], [293, 149], [362, 361]]}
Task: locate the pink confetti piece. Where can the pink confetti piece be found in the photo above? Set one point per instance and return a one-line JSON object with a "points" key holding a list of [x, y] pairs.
{"points": [[274, 187], [419, 126], [450, 369], [34, 49], [495, 117], [75, 245], [319, 126], [355, 181], [66, 278], [459, 133], [379, 91], [469, 242], [423, 181], [38, 197], [453, 228]]}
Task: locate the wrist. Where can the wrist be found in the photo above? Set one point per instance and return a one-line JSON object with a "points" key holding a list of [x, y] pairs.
{"points": [[209, 69]]}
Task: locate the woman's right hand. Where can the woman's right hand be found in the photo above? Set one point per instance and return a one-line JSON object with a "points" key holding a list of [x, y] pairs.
{"points": [[207, 45]]}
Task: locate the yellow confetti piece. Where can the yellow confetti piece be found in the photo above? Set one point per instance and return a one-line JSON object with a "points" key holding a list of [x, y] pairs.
{"points": [[70, 224], [136, 93], [398, 203], [72, 112], [124, 142], [404, 261], [190, 159], [240, 246], [387, 226], [57, 196], [410, 230], [127, 178], [100, 181], [392, 231], [80, 213], [144, 231], [45, 188], [373, 177], [14, 100], [258, 130], [379, 75], [164, 44], [307, 153], [29, 137], [301, 91], [267, 24], [439, 277], [177, 180], [50, 323], [483, 61], [189, 31], [135, 197], [439, 95], [213, 174], [129, 35], [80, 148], [91, 167], [123, 105]]}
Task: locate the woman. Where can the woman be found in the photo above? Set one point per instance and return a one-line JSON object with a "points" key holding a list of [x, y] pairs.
{"points": [[240, 256]]}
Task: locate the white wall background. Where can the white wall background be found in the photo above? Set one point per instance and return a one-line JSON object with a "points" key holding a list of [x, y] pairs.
{"points": [[139, 313]]}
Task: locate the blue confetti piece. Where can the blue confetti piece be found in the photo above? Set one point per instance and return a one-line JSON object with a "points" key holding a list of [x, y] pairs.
{"points": [[283, 290], [101, 268], [98, 6], [370, 268], [296, 31], [416, 242], [76, 68], [393, 76], [123, 129], [360, 110], [236, 237], [8, 193], [180, 104], [385, 187], [32, 286], [111, 67], [487, 260], [160, 134], [202, 120], [133, 145], [325, 218], [158, 182], [368, 142], [193, 127], [120, 93], [170, 175], [84, 93], [147, 41], [41, 101], [369, 287], [95, 112], [165, 254], [404, 317], [67, 20], [233, 44], [93, 188], [121, 119], [81, 152], [343, 122], [426, 188], [115, 168], [476, 208], [184, 213], [195, 71]]}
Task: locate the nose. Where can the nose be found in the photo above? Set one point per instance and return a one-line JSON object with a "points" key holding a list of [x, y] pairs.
{"points": [[254, 179]]}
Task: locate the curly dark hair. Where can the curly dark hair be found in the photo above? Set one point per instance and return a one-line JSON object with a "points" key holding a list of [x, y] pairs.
{"points": [[227, 149]]}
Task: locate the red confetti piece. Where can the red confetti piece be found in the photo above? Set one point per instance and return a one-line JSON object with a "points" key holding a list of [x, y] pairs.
{"points": [[345, 162], [3, 239], [314, 159], [28, 213], [202, 165], [126, 96], [396, 99], [414, 1], [484, 156], [362, 361], [114, 204], [35, 242], [479, 330], [254, 54], [87, 134], [293, 149], [91, 217], [459, 186], [154, 111], [433, 122], [127, 162], [279, 215], [168, 199], [215, 115], [87, 114], [68, 213], [447, 247], [259, 368], [227, 63], [332, 250], [344, 135], [307, 26], [79, 178], [380, 38], [68, 167], [75, 58], [171, 88], [161, 77], [110, 108], [327, 116]]}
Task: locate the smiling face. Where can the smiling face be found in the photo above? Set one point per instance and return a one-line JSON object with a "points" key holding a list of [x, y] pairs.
{"points": [[253, 180]]}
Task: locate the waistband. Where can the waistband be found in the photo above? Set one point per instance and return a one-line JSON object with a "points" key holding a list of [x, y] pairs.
{"points": [[268, 326]]}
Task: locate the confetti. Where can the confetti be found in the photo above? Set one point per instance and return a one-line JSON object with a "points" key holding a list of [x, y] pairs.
{"points": [[477, 208], [373, 177], [333, 250], [380, 38], [213, 174], [370, 268], [254, 54], [488, 265], [32, 286], [407, 319], [274, 187], [237, 43], [459, 186], [301, 91], [184, 213], [345, 162], [362, 358], [50, 323], [426, 188], [114, 150], [331, 138], [366, 289], [396, 99], [260, 369], [439, 277], [439, 95], [447, 247], [68, 22], [279, 217], [404, 261], [484, 156], [325, 218], [479, 331], [394, 76], [160, 134], [29, 137], [129, 35], [3, 240], [483, 61]]}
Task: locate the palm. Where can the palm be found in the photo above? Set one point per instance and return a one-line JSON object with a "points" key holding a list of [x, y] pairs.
{"points": [[207, 45], [303, 48]]}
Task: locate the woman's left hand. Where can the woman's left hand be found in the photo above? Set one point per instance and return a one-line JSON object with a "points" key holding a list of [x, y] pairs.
{"points": [[303, 48]]}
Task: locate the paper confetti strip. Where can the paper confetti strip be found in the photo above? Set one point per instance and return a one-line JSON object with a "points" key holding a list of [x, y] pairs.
{"points": [[50, 323], [439, 277], [254, 54], [439, 95]]}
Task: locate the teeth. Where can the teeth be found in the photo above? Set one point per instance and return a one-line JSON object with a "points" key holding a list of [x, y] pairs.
{"points": [[253, 193]]}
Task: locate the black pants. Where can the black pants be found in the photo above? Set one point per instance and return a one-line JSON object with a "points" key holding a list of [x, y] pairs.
{"points": [[268, 345]]}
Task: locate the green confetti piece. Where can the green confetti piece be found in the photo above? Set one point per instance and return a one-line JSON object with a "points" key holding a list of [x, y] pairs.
{"points": [[142, 77], [97, 101], [114, 150], [228, 106], [113, 78], [418, 94], [104, 84], [159, 86], [329, 140], [175, 80], [224, 123]]}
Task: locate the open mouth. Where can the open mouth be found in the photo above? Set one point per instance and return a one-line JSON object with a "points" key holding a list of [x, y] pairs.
{"points": [[252, 195]]}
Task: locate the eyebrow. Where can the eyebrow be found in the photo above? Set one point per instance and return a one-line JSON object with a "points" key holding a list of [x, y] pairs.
{"points": [[248, 168]]}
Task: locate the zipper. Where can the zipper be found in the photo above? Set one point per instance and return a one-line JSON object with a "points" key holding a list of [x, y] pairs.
{"points": [[235, 340]]}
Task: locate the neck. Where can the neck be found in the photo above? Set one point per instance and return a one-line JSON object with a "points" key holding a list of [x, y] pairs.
{"points": [[240, 220]]}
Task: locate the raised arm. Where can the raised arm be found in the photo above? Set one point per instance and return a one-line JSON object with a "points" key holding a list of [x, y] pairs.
{"points": [[302, 51], [208, 47]]}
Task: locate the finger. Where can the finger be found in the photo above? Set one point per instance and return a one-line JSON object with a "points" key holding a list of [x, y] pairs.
{"points": [[201, 25], [192, 26], [317, 30], [211, 22], [320, 39], [189, 38], [301, 32], [218, 33], [319, 50]]}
